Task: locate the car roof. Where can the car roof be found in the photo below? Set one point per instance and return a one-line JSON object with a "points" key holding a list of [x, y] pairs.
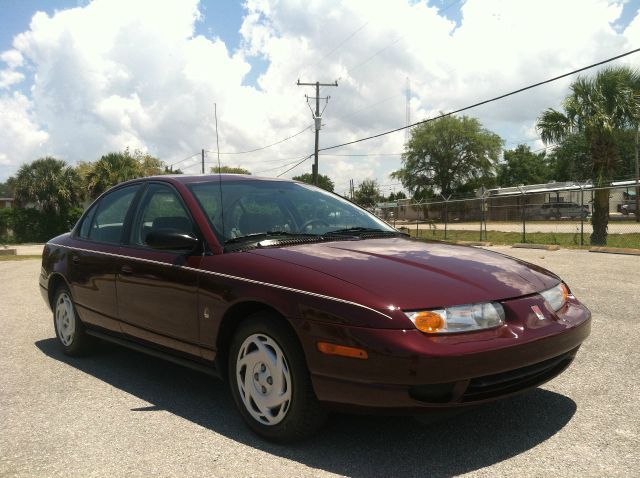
{"points": [[206, 178]]}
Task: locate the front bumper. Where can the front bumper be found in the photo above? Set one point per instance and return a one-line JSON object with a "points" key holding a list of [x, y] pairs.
{"points": [[408, 370]]}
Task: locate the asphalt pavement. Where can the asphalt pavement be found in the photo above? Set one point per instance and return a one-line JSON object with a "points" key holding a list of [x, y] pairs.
{"points": [[120, 413]]}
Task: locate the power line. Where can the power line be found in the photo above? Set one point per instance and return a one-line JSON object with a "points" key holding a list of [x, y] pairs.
{"points": [[448, 7], [348, 115], [298, 164], [341, 43], [355, 67], [365, 154], [362, 63], [475, 105], [283, 165], [183, 160], [267, 146]]}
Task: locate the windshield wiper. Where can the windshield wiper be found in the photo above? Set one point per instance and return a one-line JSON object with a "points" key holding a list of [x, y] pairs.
{"points": [[267, 234], [351, 231]]}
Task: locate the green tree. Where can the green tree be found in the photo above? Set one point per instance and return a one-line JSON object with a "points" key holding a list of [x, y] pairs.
{"points": [[447, 156], [600, 107], [522, 166], [114, 168], [367, 194], [229, 170], [395, 196], [324, 181], [149, 165], [111, 169], [6, 191], [570, 160], [50, 184]]}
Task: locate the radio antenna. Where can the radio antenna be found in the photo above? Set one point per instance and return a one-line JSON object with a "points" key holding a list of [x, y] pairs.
{"points": [[215, 113]]}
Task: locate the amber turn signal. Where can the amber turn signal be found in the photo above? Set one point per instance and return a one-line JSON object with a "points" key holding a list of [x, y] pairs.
{"points": [[429, 322], [342, 350]]}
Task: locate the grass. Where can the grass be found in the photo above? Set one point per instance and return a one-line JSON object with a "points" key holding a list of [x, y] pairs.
{"points": [[7, 258], [564, 239]]}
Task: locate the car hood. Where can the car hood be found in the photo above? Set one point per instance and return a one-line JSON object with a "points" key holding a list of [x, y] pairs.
{"points": [[411, 274]]}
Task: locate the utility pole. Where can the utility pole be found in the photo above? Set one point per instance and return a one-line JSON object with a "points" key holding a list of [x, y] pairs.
{"points": [[203, 161], [317, 117]]}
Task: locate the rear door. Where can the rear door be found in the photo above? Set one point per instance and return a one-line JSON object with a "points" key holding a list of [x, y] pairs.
{"points": [[95, 260], [158, 290]]}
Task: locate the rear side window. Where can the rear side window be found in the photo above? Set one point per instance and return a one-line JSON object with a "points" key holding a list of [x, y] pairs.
{"points": [[108, 220], [85, 227]]}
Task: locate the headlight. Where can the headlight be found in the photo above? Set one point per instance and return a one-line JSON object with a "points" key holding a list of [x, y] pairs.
{"points": [[556, 297], [461, 318]]}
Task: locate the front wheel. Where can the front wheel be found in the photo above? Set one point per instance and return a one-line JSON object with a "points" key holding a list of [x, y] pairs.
{"points": [[69, 329], [270, 382]]}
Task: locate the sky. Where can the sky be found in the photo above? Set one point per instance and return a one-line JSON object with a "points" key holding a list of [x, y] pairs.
{"points": [[82, 78]]}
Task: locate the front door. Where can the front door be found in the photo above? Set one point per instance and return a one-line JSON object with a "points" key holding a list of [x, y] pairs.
{"points": [[158, 290]]}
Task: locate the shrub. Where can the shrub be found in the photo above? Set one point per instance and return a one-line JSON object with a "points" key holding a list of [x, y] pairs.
{"points": [[30, 225]]}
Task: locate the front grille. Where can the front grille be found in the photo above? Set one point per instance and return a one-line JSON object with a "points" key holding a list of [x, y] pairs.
{"points": [[488, 386]]}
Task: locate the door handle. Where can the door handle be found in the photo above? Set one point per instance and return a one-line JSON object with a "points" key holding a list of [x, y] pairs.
{"points": [[126, 270], [75, 259]]}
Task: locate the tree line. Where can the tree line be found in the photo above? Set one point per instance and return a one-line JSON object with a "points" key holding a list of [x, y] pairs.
{"points": [[49, 193]]}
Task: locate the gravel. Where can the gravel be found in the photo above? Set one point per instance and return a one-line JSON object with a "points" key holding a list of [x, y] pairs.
{"points": [[120, 413]]}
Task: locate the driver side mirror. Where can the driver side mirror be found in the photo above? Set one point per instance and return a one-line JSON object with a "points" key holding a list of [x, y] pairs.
{"points": [[172, 239]]}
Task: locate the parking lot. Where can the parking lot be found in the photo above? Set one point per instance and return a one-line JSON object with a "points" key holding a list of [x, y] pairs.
{"points": [[120, 413]]}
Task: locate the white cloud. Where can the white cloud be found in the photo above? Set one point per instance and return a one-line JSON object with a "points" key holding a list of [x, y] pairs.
{"points": [[119, 73], [20, 135], [13, 58]]}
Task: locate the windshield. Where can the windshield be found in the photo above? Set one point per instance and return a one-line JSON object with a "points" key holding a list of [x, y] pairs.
{"points": [[251, 208]]}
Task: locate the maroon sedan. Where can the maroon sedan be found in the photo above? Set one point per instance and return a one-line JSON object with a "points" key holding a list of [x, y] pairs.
{"points": [[303, 301]]}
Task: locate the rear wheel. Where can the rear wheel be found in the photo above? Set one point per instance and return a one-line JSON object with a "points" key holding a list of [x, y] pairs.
{"points": [[69, 329], [270, 382]]}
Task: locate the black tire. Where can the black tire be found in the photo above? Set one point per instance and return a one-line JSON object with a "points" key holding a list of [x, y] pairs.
{"points": [[70, 330], [303, 414]]}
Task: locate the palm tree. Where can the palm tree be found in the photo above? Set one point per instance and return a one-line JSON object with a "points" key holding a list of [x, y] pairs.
{"points": [[113, 168], [109, 170], [49, 183], [597, 107]]}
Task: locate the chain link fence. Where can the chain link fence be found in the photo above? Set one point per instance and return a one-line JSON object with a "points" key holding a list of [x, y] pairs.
{"points": [[542, 216]]}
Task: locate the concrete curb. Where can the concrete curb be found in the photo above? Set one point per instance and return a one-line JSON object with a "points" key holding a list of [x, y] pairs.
{"points": [[8, 252], [616, 250], [474, 243], [546, 247]]}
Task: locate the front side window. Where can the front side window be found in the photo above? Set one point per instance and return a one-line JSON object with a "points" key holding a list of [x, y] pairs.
{"points": [[108, 221], [160, 208]]}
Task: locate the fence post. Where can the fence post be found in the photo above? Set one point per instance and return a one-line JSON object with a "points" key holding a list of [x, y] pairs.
{"points": [[581, 215], [524, 214], [446, 213], [395, 213]]}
